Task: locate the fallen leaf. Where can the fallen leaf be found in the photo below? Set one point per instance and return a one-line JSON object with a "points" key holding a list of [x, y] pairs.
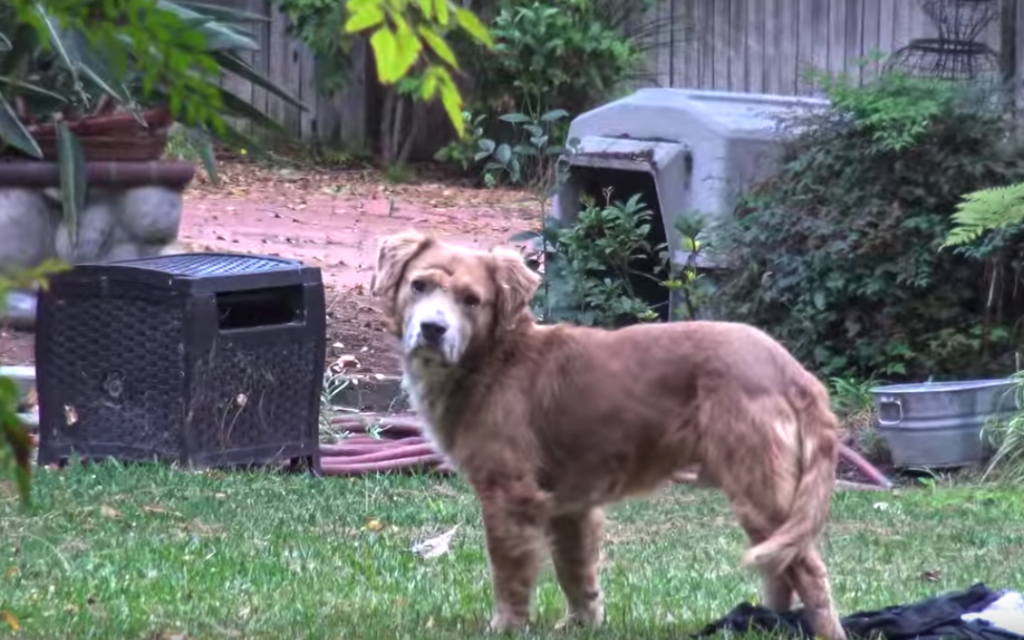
{"points": [[11, 621], [437, 546], [347, 361], [109, 512], [158, 510]]}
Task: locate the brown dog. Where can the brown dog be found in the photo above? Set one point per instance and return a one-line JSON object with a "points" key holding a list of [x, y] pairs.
{"points": [[549, 424]]}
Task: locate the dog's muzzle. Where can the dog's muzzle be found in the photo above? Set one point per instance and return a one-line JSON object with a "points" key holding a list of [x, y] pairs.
{"points": [[432, 331], [432, 326]]}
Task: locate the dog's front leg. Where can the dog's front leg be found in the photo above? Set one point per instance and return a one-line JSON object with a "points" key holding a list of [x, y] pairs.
{"points": [[514, 525], [576, 547]]}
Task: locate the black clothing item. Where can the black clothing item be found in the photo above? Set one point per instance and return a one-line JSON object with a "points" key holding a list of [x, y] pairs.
{"points": [[930, 619]]}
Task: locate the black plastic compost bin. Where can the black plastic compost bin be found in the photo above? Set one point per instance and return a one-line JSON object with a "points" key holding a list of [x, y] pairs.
{"points": [[204, 359]]}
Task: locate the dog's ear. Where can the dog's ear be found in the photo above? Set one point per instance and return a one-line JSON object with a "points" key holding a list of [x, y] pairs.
{"points": [[516, 284], [394, 253]]}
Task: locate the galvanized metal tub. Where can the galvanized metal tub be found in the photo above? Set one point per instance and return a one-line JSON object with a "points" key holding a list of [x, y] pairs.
{"points": [[935, 425]]}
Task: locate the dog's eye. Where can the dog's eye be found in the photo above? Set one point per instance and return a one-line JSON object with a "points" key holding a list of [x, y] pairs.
{"points": [[471, 300], [419, 286]]}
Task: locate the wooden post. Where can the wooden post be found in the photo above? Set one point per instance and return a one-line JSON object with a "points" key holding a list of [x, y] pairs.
{"points": [[1008, 29]]}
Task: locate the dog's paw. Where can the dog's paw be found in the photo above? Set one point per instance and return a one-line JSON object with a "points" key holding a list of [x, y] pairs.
{"points": [[502, 622], [592, 616]]}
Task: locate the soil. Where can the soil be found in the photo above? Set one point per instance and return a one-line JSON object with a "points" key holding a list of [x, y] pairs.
{"points": [[333, 220]]}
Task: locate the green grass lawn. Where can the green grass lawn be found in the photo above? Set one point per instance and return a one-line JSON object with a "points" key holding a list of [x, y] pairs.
{"points": [[147, 552]]}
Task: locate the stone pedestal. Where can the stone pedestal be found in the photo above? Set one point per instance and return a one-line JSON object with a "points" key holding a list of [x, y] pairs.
{"points": [[132, 210]]}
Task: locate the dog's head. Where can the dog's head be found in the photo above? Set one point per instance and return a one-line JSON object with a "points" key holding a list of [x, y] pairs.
{"points": [[442, 299]]}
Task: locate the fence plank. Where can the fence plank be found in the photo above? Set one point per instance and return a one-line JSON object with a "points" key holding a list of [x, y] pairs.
{"points": [[871, 40], [854, 49], [278, 57], [707, 31], [685, 14], [260, 59], [756, 50], [307, 92], [352, 107], [804, 44]]}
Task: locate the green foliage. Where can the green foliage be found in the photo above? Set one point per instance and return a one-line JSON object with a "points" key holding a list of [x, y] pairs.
{"points": [[15, 448], [549, 56], [987, 210], [408, 35], [571, 54], [696, 287], [589, 265], [838, 254], [76, 59], [531, 155], [91, 47], [851, 396], [1006, 438], [190, 145], [463, 151]]}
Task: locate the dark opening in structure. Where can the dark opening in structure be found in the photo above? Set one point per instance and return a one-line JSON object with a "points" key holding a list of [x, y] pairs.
{"points": [[592, 182], [255, 308]]}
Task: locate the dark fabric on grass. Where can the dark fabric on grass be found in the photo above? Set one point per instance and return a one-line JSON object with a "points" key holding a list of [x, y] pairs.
{"points": [[930, 619]]}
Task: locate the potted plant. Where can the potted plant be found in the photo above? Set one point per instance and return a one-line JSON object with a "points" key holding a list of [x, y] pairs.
{"points": [[67, 99]]}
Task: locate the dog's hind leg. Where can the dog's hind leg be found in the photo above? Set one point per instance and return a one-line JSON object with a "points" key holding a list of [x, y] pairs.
{"points": [[576, 553], [778, 592], [780, 494], [809, 577]]}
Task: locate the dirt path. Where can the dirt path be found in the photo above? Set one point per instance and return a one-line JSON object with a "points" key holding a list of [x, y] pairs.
{"points": [[332, 220]]}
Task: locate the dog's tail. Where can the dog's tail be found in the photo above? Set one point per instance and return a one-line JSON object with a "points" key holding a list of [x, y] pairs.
{"points": [[812, 500]]}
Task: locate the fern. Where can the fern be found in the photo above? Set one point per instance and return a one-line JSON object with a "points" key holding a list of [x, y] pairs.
{"points": [[985, 210]]}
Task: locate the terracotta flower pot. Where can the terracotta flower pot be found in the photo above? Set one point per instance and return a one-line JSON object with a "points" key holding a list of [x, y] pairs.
{"points": [[116, 137]]}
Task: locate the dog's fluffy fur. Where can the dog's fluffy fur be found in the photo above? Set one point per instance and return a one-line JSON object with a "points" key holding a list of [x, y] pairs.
{"points": [[549, 424]]}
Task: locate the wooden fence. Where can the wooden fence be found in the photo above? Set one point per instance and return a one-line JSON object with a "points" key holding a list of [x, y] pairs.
{"points": [[287, 62], [763, 46], [737, 45]]}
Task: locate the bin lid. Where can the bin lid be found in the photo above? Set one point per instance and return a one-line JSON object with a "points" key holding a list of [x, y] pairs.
{"points": [[684, 114], [194, 272]]}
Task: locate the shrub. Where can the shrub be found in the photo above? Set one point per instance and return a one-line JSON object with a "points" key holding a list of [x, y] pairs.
{"points": [[550, 56], [589, 267], [839, 253], [601, 269], [567, 54]]}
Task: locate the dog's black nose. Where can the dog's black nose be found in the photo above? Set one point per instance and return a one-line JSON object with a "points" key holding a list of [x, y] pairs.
{"points": [[433, 330]]}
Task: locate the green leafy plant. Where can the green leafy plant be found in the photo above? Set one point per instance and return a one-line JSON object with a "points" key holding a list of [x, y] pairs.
{"points": [[70, 66], [463, 151], [851, 396], [589, 266], [532, 155], [549, 55], [566, 53], [15, 446], [692, 282], [987, 210], [409, 38], [1005, 437], [838, 253]]}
